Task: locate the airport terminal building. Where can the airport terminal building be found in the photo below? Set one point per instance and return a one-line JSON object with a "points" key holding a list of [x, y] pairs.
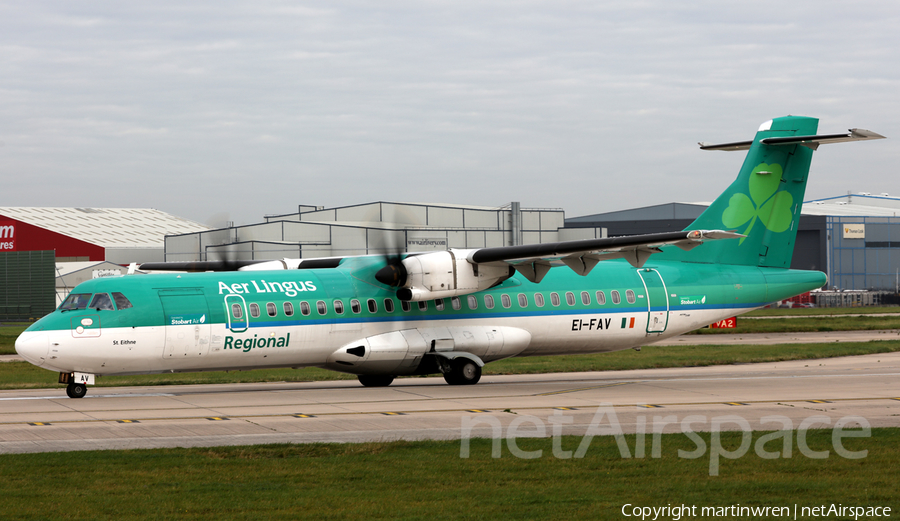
{"points": [[378, 227]]}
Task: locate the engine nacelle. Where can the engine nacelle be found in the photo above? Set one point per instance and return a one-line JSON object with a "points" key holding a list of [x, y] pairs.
{"points": [[448, 274]]}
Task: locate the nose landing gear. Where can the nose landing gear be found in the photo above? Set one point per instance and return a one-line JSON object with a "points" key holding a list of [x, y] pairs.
{"points": [[76, 383], [76, 390]]}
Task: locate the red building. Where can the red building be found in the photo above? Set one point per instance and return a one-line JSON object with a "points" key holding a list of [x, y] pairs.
{"points": [[118, 235]]}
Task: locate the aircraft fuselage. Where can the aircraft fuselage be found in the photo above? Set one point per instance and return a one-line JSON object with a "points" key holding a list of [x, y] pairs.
{"points": [[299, 318]]}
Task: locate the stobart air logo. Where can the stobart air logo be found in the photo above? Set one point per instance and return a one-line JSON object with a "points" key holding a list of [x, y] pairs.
{"points": [[766, 203]]}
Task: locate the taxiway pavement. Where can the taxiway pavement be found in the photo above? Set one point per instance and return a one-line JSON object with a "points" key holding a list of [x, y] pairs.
{"points": [[865, 389]]}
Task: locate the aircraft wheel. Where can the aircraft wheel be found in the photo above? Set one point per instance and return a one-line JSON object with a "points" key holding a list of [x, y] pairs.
{"points": [[375, 380], [76, 390], [463, 372]]}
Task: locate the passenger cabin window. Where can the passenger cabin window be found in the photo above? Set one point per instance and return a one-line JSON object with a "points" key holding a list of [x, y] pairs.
{"points": [[236, 311], [539, 299], [472, 302], [254, 310], [76, 301], [489, 301], [339, 307], [354, 306], [615, 297], [321, 307], [585, 298], [570, 298], [102, 302], [554, 298], [505, 300], [629, 296], [455, 303], [423, 306], [439, 304], [122, 301], [304, 308], [601, 298], [288, 309], [405, 306], [389, 305], [523, 300], [271, 309], [373, 306]]}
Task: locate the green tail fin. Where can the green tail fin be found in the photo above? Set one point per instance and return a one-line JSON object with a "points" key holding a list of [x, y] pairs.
{"points": [[763, 203]]}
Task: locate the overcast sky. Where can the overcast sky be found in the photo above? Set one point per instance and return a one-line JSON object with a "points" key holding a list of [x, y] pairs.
{"points": [[250, 108]]}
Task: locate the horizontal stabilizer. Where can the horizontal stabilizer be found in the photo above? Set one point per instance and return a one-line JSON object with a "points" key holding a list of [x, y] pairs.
{"points": [[813, 142]]}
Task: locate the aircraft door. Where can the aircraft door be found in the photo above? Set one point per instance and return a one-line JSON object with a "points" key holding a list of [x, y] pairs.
{"points": [[236, 313], [187, 322], [657, 300]]}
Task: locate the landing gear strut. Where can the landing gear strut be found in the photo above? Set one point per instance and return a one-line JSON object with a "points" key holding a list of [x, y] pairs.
{"points": [[463, 372], [76, 390]]}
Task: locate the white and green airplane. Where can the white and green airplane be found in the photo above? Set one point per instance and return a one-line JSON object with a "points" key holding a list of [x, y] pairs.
{"points": [[451, 312]]}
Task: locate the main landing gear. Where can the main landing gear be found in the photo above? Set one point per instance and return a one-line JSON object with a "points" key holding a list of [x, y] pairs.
{"points": [[462, 372], [458, 371], [76, 390], [375, 380]]}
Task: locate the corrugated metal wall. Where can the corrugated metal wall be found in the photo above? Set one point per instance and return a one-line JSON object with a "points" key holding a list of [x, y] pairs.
{"points": [[27, 284]]}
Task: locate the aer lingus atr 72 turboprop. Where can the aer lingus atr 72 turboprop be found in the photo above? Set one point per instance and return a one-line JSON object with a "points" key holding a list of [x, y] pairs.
{"points": [[451, 312]]}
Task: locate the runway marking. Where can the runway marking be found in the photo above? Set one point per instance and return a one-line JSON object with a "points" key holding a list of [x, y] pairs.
{"points": [[650, 406], [612, 384], [303, 416], [818, 401], [38, 424], [552, 393], [477, 410], [61, 397], [428, 411], [127, 421], [566, 408]]}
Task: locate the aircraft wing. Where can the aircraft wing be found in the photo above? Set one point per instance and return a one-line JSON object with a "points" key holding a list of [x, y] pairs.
{"points": [[534, 260], [431, 275]]}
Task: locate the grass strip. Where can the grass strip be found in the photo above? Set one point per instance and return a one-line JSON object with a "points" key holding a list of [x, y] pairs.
{"points": [[8, 335], [22, 375], [429, 480], [769, 312]]}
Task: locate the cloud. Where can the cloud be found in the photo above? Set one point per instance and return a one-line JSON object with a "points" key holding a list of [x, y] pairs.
{"points": [[253, 108]]}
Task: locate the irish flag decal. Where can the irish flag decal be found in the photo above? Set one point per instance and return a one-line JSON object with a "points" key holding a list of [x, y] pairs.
{"points": [[627, 323]]}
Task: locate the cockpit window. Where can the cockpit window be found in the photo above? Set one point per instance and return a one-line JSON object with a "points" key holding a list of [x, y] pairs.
{"points": [[102, 302], [122, 301], [76, 301]]}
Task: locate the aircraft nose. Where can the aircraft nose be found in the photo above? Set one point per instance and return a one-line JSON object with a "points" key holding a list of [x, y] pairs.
{"points": [[33, 346]]}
